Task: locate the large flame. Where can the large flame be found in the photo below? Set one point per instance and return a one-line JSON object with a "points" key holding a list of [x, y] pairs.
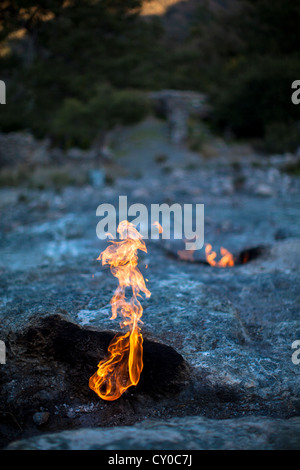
{"points": [[123, 366], [226, 260]]}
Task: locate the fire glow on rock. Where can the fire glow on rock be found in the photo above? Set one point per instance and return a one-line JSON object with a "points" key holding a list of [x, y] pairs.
{"points": [[123, 366]]}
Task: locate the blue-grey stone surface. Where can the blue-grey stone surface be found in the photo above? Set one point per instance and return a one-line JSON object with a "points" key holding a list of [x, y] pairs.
{"points": [[190, 433], [234, 327]]}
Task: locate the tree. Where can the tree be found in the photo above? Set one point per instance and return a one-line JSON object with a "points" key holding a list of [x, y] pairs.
{"points": [[248, 56], [68, 51]]}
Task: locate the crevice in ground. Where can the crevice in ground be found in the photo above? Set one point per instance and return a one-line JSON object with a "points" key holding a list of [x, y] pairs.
{"points": [[45, 384]]}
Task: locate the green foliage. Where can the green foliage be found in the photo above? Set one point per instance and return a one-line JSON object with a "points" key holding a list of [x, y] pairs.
{"points": [[128, 107], [247, 56], [12, 177], [84, 45], [282, 137], [256, 95], [292, 168], [73, 73], [42, 178], [77, 123]]}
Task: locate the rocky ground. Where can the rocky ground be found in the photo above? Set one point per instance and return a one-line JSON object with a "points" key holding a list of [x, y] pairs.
{"points": [[218, 341]]}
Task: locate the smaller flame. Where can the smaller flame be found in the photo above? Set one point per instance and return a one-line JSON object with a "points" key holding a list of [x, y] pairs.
{"points": [[226, 260], [159, 227]]}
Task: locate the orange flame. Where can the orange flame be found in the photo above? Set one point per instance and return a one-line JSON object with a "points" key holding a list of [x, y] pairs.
{"points": [[123, 366], [226, 260], [159, 227]]}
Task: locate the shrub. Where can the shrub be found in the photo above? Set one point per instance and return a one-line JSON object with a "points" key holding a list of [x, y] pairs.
{"points": [[282, 137], [257, 95], [77, 123], [128, 107]]}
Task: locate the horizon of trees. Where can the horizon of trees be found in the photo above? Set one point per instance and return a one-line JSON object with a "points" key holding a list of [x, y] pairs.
{"points": [[89, 61]]}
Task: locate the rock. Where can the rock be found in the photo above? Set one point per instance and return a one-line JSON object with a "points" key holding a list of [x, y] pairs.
{"points": [[282, 233], [190, 433], [41, 417], [177, 106], [75, 352], [71, 413], [23, 149], [233, 327], [75, 153], [284, 255], [97, 178], [264, 190]]}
